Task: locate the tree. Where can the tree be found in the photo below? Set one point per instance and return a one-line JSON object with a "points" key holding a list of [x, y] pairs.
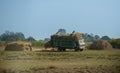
{"points": [[97, 37], [61, 31], [47, 39], [89, 37], [105, 38], [0, 37], [30, 38], [11, 36], [8, 36], [20, 36], [86, 37]]}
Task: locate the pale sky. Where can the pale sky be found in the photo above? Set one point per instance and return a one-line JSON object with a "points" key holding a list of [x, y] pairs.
{"points": [[42, 18]]}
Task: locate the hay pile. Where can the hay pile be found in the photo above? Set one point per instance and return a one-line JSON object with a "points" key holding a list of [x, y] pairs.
{"points": [[77, 36], [100, 45], [73, 37], [48, 44], [18, 46]]}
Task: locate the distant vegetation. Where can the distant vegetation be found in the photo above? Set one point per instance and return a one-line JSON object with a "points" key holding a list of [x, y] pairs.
{"points": [[92, 37], [11, 36], [2, 43], [37, 43], [19, 36], [115, 43]]}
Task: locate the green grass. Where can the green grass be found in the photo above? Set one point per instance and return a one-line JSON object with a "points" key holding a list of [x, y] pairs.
{"points": [[115, 43], [37, 44], [89, 61], [87, 44]]}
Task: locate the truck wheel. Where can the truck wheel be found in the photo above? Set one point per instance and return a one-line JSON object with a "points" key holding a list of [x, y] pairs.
{"points": [[76, 49], [63, 49], [59, 49], [81, 49]]}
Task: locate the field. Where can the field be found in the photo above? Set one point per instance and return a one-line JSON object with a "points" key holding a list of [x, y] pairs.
{"points": [[88, 61]]}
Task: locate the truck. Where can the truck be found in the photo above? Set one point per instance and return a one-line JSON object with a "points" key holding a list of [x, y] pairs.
{"points": [[67, 41]]}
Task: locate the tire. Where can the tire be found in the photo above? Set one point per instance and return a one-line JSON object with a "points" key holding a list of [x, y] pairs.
{"points": [[59, 49], [76, 49], [81, 49], [63, 49]]}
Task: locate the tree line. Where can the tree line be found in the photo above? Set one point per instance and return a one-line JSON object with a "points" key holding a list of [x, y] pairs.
{"points": [[19, 36], [15, 36], [88, 37], [92, 37]]}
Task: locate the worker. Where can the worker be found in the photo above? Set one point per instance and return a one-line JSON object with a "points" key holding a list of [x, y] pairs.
{"points": [[30, 47]]}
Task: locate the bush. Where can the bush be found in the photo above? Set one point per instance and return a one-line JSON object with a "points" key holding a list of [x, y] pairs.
{"points": [[37, 44], [87, 44], [115, 43], [2, 43]]}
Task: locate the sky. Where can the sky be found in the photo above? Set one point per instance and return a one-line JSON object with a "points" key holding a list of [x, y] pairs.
{"points": [[42, 18]]}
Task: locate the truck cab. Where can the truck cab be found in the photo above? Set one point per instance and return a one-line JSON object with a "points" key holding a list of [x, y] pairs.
{"points": [[81, 44]]}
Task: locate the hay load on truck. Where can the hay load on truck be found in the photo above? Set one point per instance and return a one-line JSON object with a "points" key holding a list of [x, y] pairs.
{"points": [[67, 41]]}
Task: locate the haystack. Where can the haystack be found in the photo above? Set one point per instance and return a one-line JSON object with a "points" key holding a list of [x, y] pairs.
{"points": [[100, 45], [48, 44], [18, 46]]}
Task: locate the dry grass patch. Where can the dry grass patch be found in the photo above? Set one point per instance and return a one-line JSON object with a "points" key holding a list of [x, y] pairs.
{"points": [[89, 61]]}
